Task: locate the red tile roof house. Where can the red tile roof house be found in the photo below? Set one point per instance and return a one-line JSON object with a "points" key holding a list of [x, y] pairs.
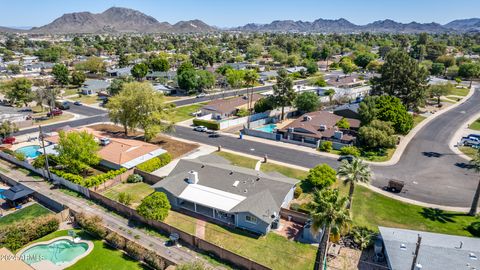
{"points": [[226, 108], [313, 128], [116, 152]]}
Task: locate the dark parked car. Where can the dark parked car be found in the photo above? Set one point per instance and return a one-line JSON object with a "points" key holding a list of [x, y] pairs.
{"points": [[348, 158]]}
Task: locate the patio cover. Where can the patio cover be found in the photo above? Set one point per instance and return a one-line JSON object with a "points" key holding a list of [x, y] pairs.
{"points": [[17, 192]]}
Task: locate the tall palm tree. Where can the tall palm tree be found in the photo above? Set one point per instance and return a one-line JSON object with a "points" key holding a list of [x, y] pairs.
{"points": [[476, 166], [352, 173], [329, 211], [251, 77]]}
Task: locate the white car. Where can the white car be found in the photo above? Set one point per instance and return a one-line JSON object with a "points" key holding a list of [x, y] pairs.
{"points": [[200, 128]]}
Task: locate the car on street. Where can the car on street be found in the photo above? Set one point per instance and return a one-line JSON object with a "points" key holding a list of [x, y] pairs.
{"points": [[78, 103], [200, 129], [213, 134], [55, 112], [201, 95], [470, 141], [8, 140], [348, 158]]}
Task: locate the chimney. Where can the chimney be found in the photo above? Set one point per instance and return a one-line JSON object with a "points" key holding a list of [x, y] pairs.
{"points": [[193, 177]]}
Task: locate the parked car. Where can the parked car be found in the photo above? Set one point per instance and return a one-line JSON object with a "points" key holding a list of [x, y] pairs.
{"points": [[63, 105], [470, 141], [78, 103], [55, 112], [197, 113], [395, 185], [348, 158], [474, 136], [200, 129], [201, 95], [214, 134], [8, 140]]}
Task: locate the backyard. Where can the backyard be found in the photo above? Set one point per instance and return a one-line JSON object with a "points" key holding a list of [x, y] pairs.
{"points": [[25, 214], [137, 191]]}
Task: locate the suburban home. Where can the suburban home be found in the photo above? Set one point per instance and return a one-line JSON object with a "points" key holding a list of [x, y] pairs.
{"points": [[225, 108], [296, 69], [119, 72], [91, 87], [239, 197], [316, 127], [115, 152], [435, 251], [153, 75], [345, 82]]}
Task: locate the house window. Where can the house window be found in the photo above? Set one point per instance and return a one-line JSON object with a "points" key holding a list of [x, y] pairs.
{"points": [[251, 219]]}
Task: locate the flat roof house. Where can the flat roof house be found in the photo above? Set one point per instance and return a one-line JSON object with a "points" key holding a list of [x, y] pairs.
{"points": [[315, 127], [91, 87], [224, 108], [239, 197], [436, 251], [119, 72]]}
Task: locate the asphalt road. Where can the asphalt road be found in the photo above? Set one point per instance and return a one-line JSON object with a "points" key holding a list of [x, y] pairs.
{"points": [[84, 110]]}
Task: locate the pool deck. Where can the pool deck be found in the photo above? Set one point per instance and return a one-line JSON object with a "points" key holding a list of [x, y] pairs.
{"points": [[48, 265], [23, 144]]}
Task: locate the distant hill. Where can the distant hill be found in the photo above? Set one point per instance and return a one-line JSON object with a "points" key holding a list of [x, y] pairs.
{"points": [[10, 30], [465, 25]]}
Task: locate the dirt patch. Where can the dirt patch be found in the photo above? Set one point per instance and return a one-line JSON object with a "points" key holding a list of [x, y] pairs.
{"points": [[174, 147], [348, 258]]}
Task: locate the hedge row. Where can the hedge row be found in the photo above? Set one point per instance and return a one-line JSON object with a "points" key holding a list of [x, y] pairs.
{"points": [[155, 163], [20, 233], [207, 123], [91, 181]]}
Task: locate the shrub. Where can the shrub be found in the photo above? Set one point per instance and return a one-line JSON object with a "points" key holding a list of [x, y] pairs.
{"points": [[298, 191], [20, 233], [155, 163], [325, 146], [350, 150], [134, 250], [343, 123], [474, 228], [154, 260], [20, 156], [304, 207], [207, 123], [8, 151], [242, 112], [155, 206], [362, 236], [134, 178], [115, 240], [91, 181], [321, 176], [91, 224], [125, 198]]}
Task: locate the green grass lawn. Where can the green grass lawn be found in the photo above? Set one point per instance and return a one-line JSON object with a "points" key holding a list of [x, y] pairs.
{"points": [[137, 190], [238, 160], [63, 117], [417, 119], [102, 257], [70, 92], [86, 99], [475, 125], [272, 250], [24, 214], [372, 210], [183, 222], [469, 151], [458, 91], [384, 158], [287, 171], [183, 113]]}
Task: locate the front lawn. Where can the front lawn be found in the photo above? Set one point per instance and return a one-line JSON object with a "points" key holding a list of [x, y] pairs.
{"points": [[287, 171], [184, 113], [272, 250], [469, 151], [237, 160], [63, 117], [475, 125], [138, 191], [454, 91], [25, 214], [417, 119], [102, 257], [380, 158], [87, 99]]}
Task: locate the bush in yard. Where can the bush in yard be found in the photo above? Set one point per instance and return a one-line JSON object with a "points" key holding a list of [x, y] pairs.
{"points": [[134, 250], [325, 146], [297, 192], [115, 240], [362, 236], [350, 150], [20, 233], [20, 156], [242, 112], [207, 123], [474, 228], [303, 208], [155, 163], [192, 266], [91, 224], [154, 260], [134, 178], [125, 198], [321, 176], [155, 206]]}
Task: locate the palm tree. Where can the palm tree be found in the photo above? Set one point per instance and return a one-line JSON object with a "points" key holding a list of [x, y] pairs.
{"points": [[476, 166], [352, 173], [250, 78]]}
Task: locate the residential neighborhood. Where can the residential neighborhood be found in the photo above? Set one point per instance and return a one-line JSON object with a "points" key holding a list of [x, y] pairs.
{"points": [[134, 138]]}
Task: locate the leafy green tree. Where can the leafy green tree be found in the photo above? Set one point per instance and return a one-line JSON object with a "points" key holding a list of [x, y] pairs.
{"points": [[470, 71], [325, 146], [159, 64], [307, 102], [60, 72], [235, 78], [350, 150], [318, 81], [363, 59], [343, 123], [187, 80], [283, 91], [77, 151], [264, 104], [93, 65], [325, 54], [15, 69], [18, 91], [402, 77], [155, 207], [437, 69], [250, 77], [7, 128], [312, 67], [347, 65], [223, 69], [374, 66], [117, 85], [446, 60], [475, 162], [139, 71], [78, 78], [352, 173], [439, 90], [388, 109], [377, 135], [205, 79], [321, 176]]}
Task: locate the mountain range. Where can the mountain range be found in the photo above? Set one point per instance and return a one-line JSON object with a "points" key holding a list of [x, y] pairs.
{"points": [[124, 20]]}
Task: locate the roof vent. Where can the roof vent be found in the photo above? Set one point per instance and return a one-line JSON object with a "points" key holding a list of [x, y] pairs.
{"points": [[258, 179], [193, 177], [323, 127], [235, 184], [472, 256], [307, 118], [231, 172], [403, 246], [418, 266], [245, 191]]}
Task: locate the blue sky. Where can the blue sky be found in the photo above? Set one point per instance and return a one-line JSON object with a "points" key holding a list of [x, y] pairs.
{"points": [[227, 13]]}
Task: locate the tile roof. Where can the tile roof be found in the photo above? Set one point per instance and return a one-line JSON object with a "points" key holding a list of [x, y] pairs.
{"points": [[228, 105]]}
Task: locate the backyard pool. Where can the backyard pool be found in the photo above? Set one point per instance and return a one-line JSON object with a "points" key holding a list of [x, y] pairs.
{"points": [[59, 252], [268, 128], [30, 151], [1, 193]]}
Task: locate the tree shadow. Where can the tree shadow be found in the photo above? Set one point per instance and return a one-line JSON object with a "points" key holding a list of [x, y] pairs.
{"points": [[435, 214], [464, 165], [432, 154]]}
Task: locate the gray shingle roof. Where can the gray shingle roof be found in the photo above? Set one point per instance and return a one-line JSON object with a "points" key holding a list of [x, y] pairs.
{"points": [[264, 193], [437, 251]]}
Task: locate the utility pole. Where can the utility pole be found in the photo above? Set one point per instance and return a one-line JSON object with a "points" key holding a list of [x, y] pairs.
{"points": [[415, 255], [47, 167]]}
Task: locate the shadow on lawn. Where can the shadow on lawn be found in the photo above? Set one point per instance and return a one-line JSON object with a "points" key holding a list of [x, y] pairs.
{"points": [[435, 214]]}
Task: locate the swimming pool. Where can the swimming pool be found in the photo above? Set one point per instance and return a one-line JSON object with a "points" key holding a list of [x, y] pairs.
{"points": [[59, 252], [31, 151], [1, 193], [268, 128]]}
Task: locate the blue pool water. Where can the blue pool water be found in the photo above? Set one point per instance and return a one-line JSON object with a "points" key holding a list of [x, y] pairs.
{"points": [[1, 193], [267, 128], [30, 151], [59, 252]]}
